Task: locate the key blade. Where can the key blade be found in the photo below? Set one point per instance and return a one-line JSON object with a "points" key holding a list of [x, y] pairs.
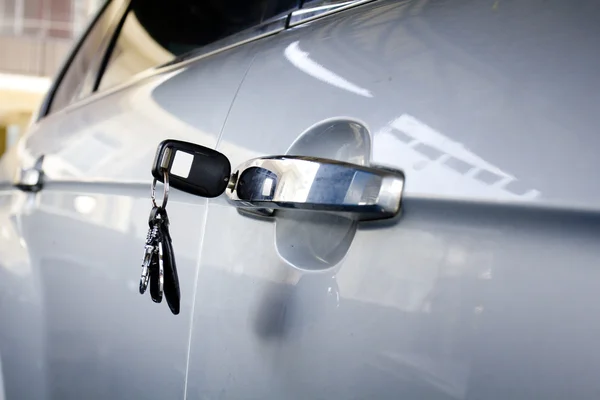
{"points": [[156, 291], [192, 168], [145, 274], [161, 270], [171, 278]]}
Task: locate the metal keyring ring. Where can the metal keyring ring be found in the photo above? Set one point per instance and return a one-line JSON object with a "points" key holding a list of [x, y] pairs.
{"points": [[165, 191]]}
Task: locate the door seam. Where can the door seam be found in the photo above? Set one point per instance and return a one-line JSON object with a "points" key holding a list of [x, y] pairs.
{"points": [[233, 101], [197, 275], [201, 242]]}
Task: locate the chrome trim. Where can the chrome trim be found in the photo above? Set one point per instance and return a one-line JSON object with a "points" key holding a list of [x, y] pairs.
{"points": [[161, 271], [145, 275], [31, 179], [165, 190], [325, 8], [262, 185], [267, 28], [166, 159]]}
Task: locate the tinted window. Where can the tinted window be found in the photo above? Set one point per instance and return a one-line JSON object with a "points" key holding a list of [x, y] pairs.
{"points": [[78, 80], [156, 32]]}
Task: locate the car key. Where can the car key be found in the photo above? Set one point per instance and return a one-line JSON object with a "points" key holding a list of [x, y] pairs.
{"points": [[191, 168], [171, 278], [159, 258], [156, 268], [149, 250], [156, 292]]}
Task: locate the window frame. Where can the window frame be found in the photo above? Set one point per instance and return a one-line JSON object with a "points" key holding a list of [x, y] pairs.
{"points": [[109, 48], [46, 105], [269, 27]]}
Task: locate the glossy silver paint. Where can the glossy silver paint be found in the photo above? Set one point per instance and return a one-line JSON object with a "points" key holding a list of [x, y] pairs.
{"points": [[92, 332], [485, 288]]}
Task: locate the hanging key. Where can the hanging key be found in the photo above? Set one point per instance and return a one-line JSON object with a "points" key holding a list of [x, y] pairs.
{"points": [[159, 271], [150, 249], [152, 264], [167, 258], [156, 268], [191, 168]]}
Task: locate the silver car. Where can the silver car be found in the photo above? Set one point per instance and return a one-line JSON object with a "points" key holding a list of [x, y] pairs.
{"points": [[466, 265]]}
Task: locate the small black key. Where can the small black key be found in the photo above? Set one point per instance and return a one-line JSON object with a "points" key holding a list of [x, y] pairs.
{"points": [[156, 280], [150, 248], [156, 267], [191, 168], [171, 278]]}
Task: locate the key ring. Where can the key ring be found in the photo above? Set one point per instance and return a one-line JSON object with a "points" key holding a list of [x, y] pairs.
{"points": [[165, 190]]}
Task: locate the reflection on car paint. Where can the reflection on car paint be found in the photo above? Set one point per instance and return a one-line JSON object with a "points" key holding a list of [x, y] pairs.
{"points": [[409, 143], [300, 60]]}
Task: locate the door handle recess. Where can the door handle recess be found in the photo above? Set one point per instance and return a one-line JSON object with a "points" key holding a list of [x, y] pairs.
{"points": [[262, 185]]}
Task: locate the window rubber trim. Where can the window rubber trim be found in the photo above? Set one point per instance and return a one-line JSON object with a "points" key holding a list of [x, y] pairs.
{"points": [[268, 28], [109, 49], [44, 109]]}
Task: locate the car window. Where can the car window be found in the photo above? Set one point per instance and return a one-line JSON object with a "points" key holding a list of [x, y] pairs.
{"points": [[80, 75], [155, 32]]}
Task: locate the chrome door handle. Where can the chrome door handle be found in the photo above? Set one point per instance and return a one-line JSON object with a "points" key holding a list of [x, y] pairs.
{"points": [[31, 179], [262, 185]]}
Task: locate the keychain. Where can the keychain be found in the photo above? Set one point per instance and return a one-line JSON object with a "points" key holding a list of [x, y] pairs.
{"points": [[193, 169], [159, 270]]}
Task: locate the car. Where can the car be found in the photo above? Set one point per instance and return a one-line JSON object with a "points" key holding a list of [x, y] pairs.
{"points": [[439, 238]]}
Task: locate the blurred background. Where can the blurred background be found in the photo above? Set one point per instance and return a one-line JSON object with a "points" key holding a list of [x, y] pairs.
{"points": [[35, 36]]}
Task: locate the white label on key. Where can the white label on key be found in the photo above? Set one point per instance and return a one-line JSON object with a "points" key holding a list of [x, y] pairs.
{"points": [[267, 186], [182, 164]]}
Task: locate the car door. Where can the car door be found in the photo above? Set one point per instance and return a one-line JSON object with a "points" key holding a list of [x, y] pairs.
{"points": [[23, 340], [20, 342], [163, 72], [485, 287]]}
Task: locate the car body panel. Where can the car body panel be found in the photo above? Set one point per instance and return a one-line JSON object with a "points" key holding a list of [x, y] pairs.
{"points": [[483, 288], [485, 282], [21, 312], [426, 89], [96, 334]]}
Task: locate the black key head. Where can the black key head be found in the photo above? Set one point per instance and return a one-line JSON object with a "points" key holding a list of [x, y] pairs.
{"points": [[192, 168]]}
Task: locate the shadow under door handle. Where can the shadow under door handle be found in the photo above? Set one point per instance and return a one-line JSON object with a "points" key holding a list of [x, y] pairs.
{"points": [[263, 185]]}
